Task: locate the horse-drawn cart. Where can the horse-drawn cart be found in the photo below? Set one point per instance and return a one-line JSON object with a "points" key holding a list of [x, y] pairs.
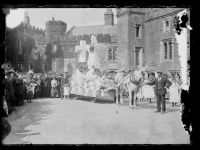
{"points": [[92, 87]]}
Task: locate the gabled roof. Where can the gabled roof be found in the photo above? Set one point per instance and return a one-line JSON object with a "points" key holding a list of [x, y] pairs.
{"points": [[155, 13], [97, 29]]}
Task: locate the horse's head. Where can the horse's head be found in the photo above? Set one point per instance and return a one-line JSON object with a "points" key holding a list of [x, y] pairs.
{"points": [[139, 73]]}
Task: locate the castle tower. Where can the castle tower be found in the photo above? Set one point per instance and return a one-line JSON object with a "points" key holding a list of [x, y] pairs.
{"points": [[54, 30], [130, 28], [26, 18], [108, 17]]}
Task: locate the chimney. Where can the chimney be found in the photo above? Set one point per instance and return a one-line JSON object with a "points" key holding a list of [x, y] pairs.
{"points": [[26, 18], [109, 17]]}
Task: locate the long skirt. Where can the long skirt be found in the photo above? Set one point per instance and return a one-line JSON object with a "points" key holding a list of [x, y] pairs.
{"points": [[148, 91], [54, 92], [174, 95], [66, 90]]}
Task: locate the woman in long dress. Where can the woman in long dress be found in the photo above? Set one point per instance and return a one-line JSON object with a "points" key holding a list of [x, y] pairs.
{"points": [[174, 91], [148, 90]]}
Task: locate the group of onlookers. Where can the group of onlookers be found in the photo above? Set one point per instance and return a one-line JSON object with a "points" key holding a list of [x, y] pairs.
{"points": [[27, 86], [163, 87], [172, 93]]}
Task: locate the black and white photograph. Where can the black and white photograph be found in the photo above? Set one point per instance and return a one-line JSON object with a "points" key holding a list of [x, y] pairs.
{"points": [[96, 76]]}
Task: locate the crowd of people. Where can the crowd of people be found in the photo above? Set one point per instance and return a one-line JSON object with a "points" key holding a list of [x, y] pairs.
{"points": [[27, 86], [147, 91]]}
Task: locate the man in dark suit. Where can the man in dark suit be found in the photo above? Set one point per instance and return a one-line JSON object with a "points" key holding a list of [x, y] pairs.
{"points": [[58, 78], [161, 83], [49, 78]]}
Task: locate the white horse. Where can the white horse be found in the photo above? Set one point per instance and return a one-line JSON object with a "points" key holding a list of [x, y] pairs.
{"points": [[131, 80]]}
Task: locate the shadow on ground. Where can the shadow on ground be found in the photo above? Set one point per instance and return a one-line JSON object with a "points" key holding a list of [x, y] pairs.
{"points": [[22, 117]]}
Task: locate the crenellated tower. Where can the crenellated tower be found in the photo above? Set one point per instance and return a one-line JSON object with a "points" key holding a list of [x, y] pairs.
{"points": [[55, 30], [109, 17]]}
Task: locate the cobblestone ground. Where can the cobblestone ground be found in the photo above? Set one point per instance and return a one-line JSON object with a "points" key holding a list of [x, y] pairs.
{"points": [[55, 121]]}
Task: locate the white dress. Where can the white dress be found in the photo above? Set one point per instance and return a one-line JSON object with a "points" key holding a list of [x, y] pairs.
{"points": [[66, 90], [148, 91], [93, 60], [174, 95]]}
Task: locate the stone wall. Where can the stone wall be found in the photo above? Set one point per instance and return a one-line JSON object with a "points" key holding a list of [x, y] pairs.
{"points": [[123, 47], [69, 65], [54, 30], [127, 41], [153, 36], [133, 40]]}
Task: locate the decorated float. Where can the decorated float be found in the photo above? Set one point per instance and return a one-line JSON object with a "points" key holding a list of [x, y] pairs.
{"points": [[88, 80]]}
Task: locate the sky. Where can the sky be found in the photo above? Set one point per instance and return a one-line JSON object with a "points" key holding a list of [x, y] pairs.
{"points": [[71, 16]]}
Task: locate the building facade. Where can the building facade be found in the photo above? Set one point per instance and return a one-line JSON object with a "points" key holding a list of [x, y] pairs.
{"points": [[141, 37]]}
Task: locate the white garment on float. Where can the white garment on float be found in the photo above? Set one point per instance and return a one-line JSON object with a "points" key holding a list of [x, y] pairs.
{"points": [[93, 60], [174, 94], [77, 83], [82, 56]]}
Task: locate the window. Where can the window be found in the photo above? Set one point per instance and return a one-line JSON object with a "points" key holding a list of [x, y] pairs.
{"points": [[19, 46], [138, 30], [167, 49], [138, 56], [170, 50], [112, 54], [54, 48], [20, 66], [44, 67], [166, 25], [30, 67], [36, 55]]}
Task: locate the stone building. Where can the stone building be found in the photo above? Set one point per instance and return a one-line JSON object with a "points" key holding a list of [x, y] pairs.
{"points": [[142, 36], [106, 36]]}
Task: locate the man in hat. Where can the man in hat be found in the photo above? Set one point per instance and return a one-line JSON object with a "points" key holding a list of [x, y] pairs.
{"points": [[18, 89], [12, 88], [54, 90], [161, 83], [58, 78], [49, 78]]}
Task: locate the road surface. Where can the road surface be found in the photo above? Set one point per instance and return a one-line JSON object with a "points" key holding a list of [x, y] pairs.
{"points": [[55, 121]]}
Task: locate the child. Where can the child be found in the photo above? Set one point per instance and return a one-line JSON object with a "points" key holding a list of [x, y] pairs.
{"points": [[66, 91]]}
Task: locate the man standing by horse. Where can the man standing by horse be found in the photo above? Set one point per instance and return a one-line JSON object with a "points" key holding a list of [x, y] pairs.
{"points": [[161, 83]]}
